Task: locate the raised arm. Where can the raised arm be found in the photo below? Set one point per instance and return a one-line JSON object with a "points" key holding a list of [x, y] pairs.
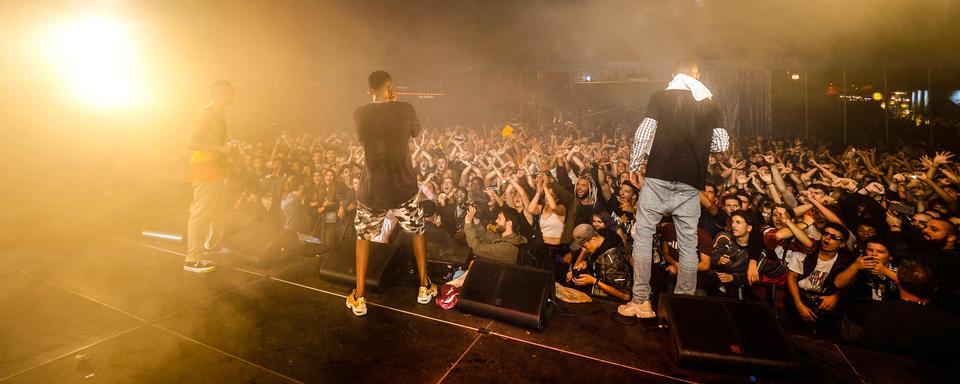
{"points": [[604, 186], [533, 206], [551, 200], [827, 212], [795, 230]]}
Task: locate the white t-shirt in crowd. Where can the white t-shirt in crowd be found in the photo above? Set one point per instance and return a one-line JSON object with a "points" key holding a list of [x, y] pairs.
{"points": [[816, 280]]}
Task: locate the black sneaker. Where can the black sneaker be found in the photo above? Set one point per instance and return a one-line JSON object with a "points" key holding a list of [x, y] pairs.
{"points": [[199, 266]]}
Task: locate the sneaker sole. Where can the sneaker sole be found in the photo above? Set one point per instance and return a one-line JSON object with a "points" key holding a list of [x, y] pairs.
{"points": [[355, 312], [647, 315], [640, 314], [207, 269], [426, 300]]}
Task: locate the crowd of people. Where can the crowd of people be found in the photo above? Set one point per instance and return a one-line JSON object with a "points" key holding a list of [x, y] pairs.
{"points": [[827, 237]]}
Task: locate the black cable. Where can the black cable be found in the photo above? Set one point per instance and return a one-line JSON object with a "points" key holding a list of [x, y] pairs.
{"points": [[566, 312]]}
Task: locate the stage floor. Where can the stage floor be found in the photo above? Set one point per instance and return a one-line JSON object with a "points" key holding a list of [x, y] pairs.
{"points": [[88, 308]]}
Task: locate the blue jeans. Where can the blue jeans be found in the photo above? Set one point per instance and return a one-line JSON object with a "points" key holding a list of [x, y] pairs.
{"points": [[659, 198]]}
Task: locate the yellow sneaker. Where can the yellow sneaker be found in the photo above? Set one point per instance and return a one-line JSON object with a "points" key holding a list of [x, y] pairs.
{"points": [[357, 305], [427, 293]]}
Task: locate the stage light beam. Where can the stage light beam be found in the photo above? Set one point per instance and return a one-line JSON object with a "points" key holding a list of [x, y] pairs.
{"points": [[98, 62]]}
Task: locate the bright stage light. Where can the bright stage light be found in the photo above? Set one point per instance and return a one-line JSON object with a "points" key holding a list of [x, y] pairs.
{"points": [[98, 62]]}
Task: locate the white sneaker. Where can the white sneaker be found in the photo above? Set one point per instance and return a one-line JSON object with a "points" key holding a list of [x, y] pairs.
{"points": [[643, 310], [199, 266]]}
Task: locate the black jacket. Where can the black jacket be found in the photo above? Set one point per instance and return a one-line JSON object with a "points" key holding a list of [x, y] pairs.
{"points": [[681, 145]]}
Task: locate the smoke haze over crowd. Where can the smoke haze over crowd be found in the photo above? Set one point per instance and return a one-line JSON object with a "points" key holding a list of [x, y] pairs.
{"points": [[301, 65]]}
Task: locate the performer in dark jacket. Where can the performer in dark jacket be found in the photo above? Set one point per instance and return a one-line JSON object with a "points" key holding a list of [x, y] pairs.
{"points": [[675, 138]]}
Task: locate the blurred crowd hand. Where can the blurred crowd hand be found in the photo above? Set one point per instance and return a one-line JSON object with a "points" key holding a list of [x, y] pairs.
{"points": [[742, 179], [864, 262], [765, 177], [725, 277], [942, 158], [893, 220], [845, 183], [471, 213], [753, 274], [672, 269], [781, 212], [829, 302], [724, 260], [875, 188], [806, 313]]}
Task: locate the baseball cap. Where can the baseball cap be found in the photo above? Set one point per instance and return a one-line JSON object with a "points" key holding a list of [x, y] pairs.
{"points": [[581, 234]]}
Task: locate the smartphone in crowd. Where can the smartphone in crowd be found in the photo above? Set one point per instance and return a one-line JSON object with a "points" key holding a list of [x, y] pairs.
{"points": [[901, 208]]}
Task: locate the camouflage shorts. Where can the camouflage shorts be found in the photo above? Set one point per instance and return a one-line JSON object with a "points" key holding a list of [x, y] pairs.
{"points": [[409, 215]]}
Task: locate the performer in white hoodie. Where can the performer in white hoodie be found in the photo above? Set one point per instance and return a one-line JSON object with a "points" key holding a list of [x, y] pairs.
{"points": [[680, 130]]}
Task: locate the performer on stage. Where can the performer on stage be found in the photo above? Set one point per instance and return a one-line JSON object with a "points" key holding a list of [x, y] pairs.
{"points": [[208, 169], [675, 139], [389, 182]]}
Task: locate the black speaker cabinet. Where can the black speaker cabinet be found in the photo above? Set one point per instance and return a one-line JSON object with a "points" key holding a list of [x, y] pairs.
{"points": [[706, 332], [384, 268], [262, 245], [518, 295]]}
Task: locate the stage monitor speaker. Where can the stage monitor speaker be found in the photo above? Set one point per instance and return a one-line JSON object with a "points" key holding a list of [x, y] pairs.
{"points": [[385, 267], [707, 332], [261, 244], [513, 294]]}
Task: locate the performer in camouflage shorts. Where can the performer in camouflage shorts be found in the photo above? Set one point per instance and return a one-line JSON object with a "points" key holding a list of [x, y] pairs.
{"points": [[388, 183]]}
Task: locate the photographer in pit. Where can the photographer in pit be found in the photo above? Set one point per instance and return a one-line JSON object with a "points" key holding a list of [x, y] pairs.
{"points": [[601, 269]]}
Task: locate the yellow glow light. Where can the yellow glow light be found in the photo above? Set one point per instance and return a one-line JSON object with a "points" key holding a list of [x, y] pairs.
{"points": [[877, 96], [98, 62]]}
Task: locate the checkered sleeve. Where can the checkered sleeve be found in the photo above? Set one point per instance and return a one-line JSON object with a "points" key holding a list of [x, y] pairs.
{"points": [[720, 140], [642, 142]]}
